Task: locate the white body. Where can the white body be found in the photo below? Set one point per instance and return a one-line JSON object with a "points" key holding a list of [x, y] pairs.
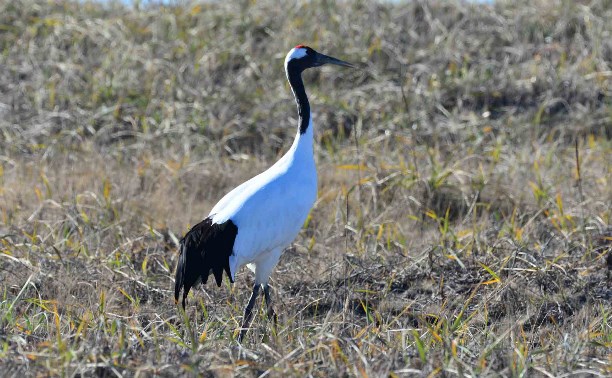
{"points": [[270, 209]]}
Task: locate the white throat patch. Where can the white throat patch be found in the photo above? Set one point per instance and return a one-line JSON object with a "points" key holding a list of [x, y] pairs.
{"points": [[295, 53]]}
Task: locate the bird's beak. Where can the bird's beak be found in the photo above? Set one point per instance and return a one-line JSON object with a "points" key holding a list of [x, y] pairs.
{"points": [[324, 59]]}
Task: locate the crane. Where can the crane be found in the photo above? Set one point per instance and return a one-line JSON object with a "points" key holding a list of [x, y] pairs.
{"points": [[256, 221]]}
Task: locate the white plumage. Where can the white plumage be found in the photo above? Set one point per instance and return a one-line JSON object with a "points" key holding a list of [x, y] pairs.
{"points": [[257, 220], [270, 209]]}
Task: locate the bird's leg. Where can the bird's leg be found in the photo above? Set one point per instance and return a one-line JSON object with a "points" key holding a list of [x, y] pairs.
{"points": [[269, 309], [248, 313]]}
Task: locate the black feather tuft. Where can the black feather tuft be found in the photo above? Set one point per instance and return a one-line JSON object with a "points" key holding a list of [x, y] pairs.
{"points": [[205, 248]]}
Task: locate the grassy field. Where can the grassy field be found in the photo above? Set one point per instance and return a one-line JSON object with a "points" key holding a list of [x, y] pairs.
{"points": [[462, 226]]}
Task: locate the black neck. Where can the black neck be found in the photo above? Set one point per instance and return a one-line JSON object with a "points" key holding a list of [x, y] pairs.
{"points": [[297, 85]]}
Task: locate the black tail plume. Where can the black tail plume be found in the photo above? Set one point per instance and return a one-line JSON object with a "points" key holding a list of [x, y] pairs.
{"points": [[205, 248]]}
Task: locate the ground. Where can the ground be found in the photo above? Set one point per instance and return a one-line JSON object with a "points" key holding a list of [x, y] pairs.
{"points": [[462, 226]]}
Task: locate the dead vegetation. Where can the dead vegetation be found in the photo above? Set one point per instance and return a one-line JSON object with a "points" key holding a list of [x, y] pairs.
{"points": [[463, 220]]}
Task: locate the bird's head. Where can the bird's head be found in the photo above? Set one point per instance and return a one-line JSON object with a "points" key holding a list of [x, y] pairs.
{"points": [[302, 57]]}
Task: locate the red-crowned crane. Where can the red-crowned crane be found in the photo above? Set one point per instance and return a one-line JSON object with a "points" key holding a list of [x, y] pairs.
{"points": [[256, 221]]}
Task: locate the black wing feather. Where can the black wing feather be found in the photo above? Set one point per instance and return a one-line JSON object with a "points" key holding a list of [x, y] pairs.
{"points": [[205, 248]]}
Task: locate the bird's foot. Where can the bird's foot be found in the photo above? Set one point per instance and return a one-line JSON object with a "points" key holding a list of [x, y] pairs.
{"points": [[271, 314], [243, 332]]}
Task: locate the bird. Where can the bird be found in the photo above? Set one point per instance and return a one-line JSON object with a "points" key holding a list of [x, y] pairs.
{"points": [[253, 223]]}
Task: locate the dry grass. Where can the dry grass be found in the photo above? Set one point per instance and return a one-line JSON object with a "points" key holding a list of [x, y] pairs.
{"points": [[453, 235]]}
